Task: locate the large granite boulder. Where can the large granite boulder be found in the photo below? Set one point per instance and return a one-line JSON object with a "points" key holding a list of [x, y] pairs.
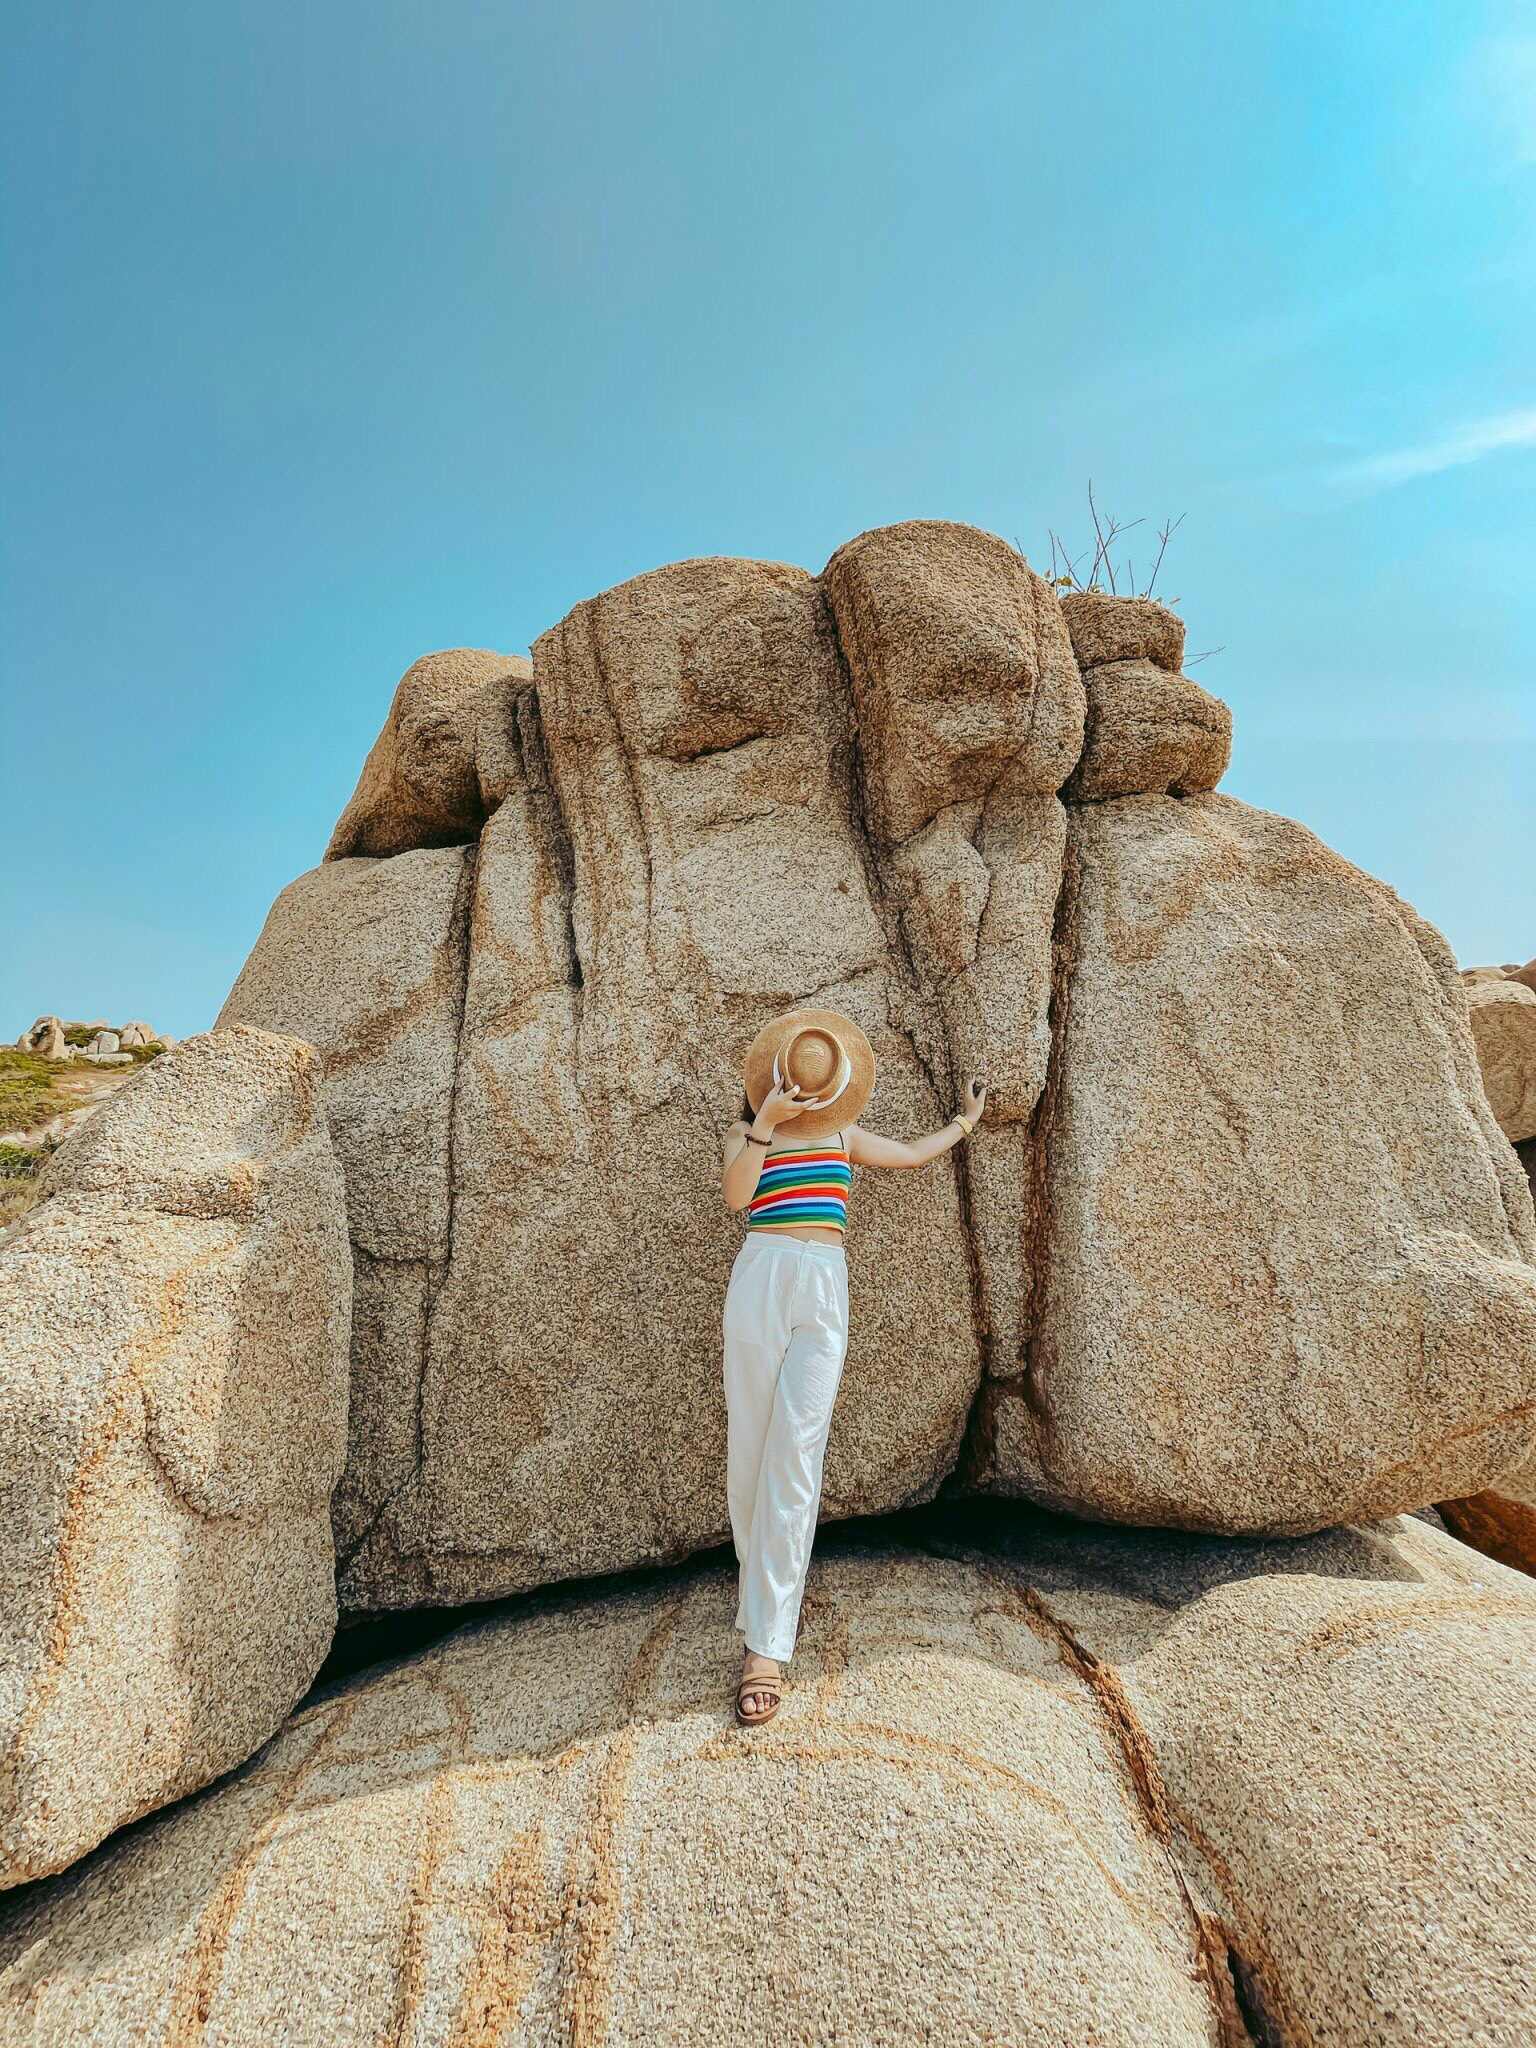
{"points": [[1028, 1785], [172, 1422], [366, 959], [1238, 1247], [969, 716], [639, 905], [1286, 1257]]}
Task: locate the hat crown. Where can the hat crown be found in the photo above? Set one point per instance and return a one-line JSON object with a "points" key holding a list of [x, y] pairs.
{"points": [[811, 1059], [826, 1056]]}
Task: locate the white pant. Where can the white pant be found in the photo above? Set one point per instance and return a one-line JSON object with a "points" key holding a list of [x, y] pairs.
{"points": [[786, 1330]]}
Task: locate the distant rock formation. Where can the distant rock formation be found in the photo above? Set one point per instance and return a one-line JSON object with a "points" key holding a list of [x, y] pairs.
{"points": [[50, 1038], [172, 1421], [1502, 1003], [46, 1039]]}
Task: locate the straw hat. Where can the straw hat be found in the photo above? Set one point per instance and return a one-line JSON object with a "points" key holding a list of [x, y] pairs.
{"points": [[827, 1055]]}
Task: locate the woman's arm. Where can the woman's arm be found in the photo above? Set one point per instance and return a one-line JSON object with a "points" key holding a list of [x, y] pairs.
{"points": [[746, 1145], [866, 1149]]}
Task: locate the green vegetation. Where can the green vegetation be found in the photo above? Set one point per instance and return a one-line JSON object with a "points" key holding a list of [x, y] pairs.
{"points": [[77, 1034], [29, 1092], [19, 1165], [32, 1090]]}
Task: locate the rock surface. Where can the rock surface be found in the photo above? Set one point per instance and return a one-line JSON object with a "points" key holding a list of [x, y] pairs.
{"points": [[1503, 1017], [1148, 731], [365, 960], [1500, 1520], [969, 717], [731, 786], [1043, 1787], [444, 759], [638, 908], [1288, 1271], [46, 1039], [1113, 629], [172, 1420]]}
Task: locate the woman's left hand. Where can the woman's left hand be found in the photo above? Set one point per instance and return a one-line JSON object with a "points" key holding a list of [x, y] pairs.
{"points": [[975, 1100]]}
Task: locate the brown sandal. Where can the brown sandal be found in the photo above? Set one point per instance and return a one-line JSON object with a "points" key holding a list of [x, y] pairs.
{"points": [[774, 1687]]}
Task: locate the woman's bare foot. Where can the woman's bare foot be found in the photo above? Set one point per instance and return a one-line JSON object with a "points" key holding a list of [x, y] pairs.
{"points": [[754, 1666]]}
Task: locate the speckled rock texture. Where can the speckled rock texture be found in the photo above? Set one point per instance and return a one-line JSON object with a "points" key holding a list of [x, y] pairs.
{"points": [[1288, 1271], [1501, 1519], [444, 760], [366, 959], [730, 787], [172, 1422], [1149, 731], [1027, 1786], [639, 907], [969, 713], [1113, 629], [1503, 1017]]}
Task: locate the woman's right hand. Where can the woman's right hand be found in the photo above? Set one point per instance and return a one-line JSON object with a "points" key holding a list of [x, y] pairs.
{"points": [[783, 1102]]}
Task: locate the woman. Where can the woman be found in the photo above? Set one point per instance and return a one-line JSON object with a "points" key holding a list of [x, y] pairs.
{"points": [[789, 1164]]}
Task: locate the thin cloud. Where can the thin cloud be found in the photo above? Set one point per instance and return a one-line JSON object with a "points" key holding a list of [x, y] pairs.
{"points": [[1504, 75], [1470, 443]]}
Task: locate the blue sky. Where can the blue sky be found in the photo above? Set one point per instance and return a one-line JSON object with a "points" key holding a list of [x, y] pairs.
{"points": [[336, 334]]}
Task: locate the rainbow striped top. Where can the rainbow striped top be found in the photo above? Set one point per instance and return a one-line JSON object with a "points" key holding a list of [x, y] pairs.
{"points": [[802, 1188]]}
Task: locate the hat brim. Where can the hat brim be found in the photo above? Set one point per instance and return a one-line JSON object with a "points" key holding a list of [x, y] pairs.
{"points": [[852, 1098]]}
